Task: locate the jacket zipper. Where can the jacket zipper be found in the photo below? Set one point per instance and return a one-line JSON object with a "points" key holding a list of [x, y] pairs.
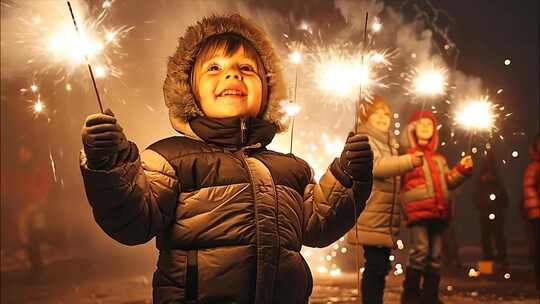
{"points": [[243, 130]]}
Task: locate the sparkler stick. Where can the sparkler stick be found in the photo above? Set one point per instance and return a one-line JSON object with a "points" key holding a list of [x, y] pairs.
{"points": [[86, 58], [469, 144], [295, 58], [363, 67], [356, 253]]}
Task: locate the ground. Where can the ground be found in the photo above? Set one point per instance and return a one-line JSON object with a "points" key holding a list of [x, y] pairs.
{"points": [[121, 280]]}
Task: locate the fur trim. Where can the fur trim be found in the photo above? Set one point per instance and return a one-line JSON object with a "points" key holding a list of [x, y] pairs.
{"points": [[179, 97]]}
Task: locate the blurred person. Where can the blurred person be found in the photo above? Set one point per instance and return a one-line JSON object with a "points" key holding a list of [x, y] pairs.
{"points": [[425, 198], [28, 185], [379, 224], [531, 202], [491, 201]]}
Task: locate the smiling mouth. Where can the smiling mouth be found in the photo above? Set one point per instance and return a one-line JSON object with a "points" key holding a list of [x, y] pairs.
{"points": [[231, 92]]}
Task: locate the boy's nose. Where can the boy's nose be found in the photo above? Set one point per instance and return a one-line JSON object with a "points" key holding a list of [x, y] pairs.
{"points": [[233, 74]]}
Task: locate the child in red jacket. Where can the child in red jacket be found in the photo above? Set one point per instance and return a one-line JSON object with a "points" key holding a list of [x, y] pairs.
{"points": [[424, 195]]}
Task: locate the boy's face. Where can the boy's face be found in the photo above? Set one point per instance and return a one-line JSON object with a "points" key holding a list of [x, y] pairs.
{"points": [[380, 120], [229, 86], [424, 129]]}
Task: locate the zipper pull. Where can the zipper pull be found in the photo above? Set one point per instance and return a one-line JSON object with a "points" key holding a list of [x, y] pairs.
{"points": [[243, 130]]}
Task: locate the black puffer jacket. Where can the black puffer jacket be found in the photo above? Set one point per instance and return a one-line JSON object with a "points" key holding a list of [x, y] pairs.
{"points": [[229, 216]]}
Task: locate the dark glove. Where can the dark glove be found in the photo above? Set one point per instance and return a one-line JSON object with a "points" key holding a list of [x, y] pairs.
{"points": [[102, 138], [356, 160]]}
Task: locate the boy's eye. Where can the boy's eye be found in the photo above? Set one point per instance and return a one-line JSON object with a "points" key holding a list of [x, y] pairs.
{"points": [[247, 68], [213, 68]]}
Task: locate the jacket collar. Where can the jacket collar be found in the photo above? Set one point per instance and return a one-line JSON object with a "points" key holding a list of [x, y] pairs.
{"points": [[233, 133]]}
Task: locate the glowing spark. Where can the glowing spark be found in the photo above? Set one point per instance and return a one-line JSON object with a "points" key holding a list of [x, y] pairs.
{"points": [[507, 62], [515, 154], [68, 87], [492, 196], [507, 276], [429, 82], [397, 132], [34, 88], [376, 26], [38, 106], [322, 269], [391, 258], [449, 288], [100, 72], [290, 109], [400, 244], [499, 91], [295, 57], [332, 147], [473, 273], [491, 216], [106, 4], [476, 115], [109, 36]]}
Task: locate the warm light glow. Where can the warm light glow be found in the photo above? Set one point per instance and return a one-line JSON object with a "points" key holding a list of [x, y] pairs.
{"points": [[376, 26], [290, 108], [476, 115], [430, 82], [295, 57]]}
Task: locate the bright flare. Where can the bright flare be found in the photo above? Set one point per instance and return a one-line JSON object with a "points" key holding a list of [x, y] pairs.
{"points": [[430, 82], [295, 57], [290, 109], [476, 115], [376, 26]]}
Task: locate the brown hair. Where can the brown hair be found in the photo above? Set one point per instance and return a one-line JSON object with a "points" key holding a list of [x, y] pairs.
{"points": [[369, 107], [227, 44]]}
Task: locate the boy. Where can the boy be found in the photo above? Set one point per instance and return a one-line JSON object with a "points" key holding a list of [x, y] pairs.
{"points": [[424, 194], [229, 216]]}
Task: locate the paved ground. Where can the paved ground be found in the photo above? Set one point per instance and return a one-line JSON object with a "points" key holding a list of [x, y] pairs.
{"points": [[122, 281]]}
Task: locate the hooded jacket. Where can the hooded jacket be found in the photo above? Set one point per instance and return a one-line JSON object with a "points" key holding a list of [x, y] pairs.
{"points": [[229, 216], [531, 183], [379, 223], [424, 191]]}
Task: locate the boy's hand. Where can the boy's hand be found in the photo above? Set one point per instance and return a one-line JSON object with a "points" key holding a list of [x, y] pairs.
{"points": [[417, 159], [467, 162], [357, 158], [102, 137]]}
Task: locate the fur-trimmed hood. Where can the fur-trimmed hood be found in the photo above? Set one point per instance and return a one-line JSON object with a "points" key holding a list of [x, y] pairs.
{"points": [[177, 90]]}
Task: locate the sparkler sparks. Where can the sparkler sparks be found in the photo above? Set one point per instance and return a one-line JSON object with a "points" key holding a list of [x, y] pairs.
{"points": [[429, 82], [340, 74], [477, 115], [295, 57], [290, 109], [376, 26], [54, 46]]}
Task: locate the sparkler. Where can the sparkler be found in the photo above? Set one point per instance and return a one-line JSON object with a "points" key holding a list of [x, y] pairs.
{"points": [[45, 34], [86, 58], [476, 115], [295, 57], [429, 82]]}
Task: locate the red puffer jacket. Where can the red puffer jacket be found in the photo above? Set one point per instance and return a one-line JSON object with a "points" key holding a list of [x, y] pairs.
{"points": [[531, 183], [424, 191]]}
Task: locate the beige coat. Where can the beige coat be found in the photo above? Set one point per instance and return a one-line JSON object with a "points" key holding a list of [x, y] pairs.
{"points": [[379, 223]]}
